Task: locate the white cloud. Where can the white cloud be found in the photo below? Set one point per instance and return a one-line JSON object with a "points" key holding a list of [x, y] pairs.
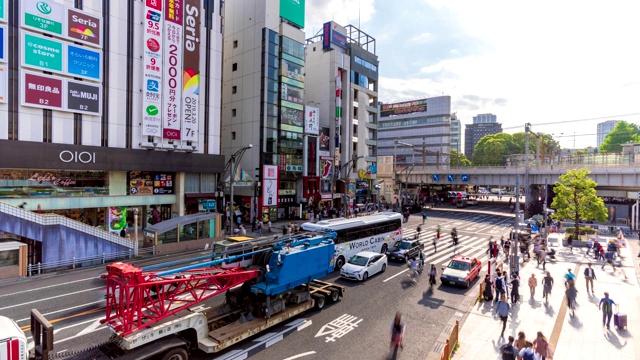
{"points": [[343, 12], [420, 38]]}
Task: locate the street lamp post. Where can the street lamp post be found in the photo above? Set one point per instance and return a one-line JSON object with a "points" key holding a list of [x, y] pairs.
{"points": [[232, 175]]}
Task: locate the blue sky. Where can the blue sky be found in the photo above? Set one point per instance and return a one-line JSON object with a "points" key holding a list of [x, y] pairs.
{"points": [[562, 66]]}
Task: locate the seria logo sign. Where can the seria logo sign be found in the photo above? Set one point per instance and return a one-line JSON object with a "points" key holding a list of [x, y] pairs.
{"points": [[83, 27], [43, 7]]}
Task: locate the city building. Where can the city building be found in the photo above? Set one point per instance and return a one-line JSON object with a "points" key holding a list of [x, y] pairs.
{"points": [[604, 128], [483, 125], [342, 83], [416, 132], [456, 133], [96, 122], [263, 105]]}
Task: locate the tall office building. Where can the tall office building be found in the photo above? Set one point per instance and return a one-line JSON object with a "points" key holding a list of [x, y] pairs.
{"points": [[456, 133], [342, 82], [263, 104], [407, 130], [483, 125], [604, 128]]}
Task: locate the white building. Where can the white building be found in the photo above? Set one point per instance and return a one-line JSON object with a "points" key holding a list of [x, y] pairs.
{"points": [[604, 128]]}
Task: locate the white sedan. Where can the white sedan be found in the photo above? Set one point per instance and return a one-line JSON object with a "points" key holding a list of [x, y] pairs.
{"points": [[364, 264]]}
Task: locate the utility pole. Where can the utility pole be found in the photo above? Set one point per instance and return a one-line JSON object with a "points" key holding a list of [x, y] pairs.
{"points": [[527, 129], [546, 213]]}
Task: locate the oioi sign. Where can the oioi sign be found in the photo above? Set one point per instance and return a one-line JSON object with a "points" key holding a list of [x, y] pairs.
{"points": [[48, 54]]}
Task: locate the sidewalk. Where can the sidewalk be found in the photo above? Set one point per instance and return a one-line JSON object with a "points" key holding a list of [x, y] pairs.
{"points": [[579, 337]]}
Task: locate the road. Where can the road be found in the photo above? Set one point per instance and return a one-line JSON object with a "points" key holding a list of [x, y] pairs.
{"points": [[356, 327]]}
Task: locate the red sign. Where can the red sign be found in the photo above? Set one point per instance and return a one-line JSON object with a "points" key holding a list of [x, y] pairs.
{"points": [[283, 162], [155, 4], [42, 91]]}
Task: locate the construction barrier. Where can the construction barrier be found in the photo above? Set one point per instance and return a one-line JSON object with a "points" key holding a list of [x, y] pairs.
{"points": [[450, 343]]}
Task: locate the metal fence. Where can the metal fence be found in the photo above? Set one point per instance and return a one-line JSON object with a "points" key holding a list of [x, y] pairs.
{"points": [[74, 263]]}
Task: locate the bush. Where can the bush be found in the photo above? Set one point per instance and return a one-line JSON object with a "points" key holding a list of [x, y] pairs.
{"points": [[583, 230]]}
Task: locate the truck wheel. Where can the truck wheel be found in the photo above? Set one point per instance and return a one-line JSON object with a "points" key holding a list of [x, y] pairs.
{"points": [[339, 263], [319, 301], [334, 296], [176, 354]]}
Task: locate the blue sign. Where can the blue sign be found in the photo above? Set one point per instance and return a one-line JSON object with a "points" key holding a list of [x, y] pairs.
{"points": [[450, 177], [153, 85], [3, 44], [435, 177], [209, 204], [85, 63], [464, 177]]}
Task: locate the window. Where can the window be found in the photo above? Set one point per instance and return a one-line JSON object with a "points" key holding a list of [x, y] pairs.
{"points": [[233, 135], [234, 67], [235, 44], [234, 89], [233, 112]]}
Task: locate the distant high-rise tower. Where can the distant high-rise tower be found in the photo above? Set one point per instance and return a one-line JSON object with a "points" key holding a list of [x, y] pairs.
{"points": [[483, 125], [485, 118], [604, 128]]}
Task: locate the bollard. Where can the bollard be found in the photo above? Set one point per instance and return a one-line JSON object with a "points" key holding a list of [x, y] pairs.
{"points": [[39, 268], [73, 266], [104, 258], [130, 253]]}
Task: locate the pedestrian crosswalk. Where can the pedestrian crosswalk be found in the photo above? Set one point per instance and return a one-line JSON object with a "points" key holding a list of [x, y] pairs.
{"points": [[468, 245]]}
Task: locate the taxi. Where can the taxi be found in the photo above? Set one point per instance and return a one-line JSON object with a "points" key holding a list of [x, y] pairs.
{"points": [[462, 270]]}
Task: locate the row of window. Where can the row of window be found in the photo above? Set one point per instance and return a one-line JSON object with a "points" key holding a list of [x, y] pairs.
{"points": [[412, 122], [365, 63], [366, 231]]}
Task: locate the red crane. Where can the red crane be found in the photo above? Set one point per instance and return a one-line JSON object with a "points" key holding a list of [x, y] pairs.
{"points": [[137, 299]]}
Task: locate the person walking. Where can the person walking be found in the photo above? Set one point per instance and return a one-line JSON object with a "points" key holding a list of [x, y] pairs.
{"points": [[507, 247], [424, 217], [435, 240], [488, 293], [508, 351], [269, 226], [438, 232], [547, 285], [500, 286], [542, 257], [571, 293], [418, 229], [589, 245], [515, 288], [259, 227], [533, 283], [521, 342], [432, 275], [589, 275], [606, 304], [502, 309], [541, 346]]}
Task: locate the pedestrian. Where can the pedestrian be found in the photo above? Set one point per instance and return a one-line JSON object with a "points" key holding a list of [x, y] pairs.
{"points": [[542, 257], [227, 224], [418, 229], [243, 231], [533, 283], [253, 224], [507, 247], [259, 228], [488, 293], [490, 249], [547, 285], [508, 351], [438, 232], [606, 304], [269, 226], [571, 293], [541, 346], [500, 286], [570, 242], [515, 288], [435, 249], [589, 275], [502, 309], [239, 220], [123, 232], [521, 342], [424, 217], [589, 245]]}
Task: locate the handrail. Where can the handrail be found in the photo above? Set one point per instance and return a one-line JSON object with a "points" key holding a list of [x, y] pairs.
{"points": [[54, 219], [39, 268]]}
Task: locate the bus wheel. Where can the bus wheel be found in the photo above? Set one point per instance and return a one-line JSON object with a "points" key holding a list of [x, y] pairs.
{"points": [[339, 263]]}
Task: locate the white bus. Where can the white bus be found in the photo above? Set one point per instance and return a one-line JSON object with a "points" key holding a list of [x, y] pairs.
{"points": [[376, 232]]}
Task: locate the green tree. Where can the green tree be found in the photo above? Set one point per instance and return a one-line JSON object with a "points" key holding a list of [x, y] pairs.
{"points": [[576, 199], [493, 149], [624, 132], [458, 159]]}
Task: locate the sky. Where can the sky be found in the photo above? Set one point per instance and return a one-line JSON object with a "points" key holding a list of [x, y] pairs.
{"points": [[562, 66]]}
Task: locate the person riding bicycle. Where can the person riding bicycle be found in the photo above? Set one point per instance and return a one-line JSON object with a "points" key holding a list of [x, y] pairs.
{"points": [[397, 332]]}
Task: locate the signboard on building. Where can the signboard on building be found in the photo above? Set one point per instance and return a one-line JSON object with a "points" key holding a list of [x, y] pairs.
{"points": [[269, 185], [323, 147], [83, 62], [311, 120], [3, 10], [84, 28], [331, 34], [83, 97], [403, 108], [152, 69], [43, 16], [172, 71], [42, 53], [3, 43], [3, 84], [293, 11], [150, 183], [42, 91], [191, 72]]}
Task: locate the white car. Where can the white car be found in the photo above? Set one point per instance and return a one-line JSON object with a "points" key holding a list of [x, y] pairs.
{"points": [[364, 264]]}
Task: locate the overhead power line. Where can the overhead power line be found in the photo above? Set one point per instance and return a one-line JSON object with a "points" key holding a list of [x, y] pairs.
{"points": [[572, 121]]}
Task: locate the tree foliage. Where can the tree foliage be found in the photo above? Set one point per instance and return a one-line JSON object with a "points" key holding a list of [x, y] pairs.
{"points": [[458, 159], [576, 199], [494, 149], [624, 132]]}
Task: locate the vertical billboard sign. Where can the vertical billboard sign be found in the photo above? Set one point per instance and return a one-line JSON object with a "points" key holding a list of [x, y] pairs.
{"points": [[3, 10], [3, 84], [269, 185], [3, 44], [172, 70], [191, 73], [312, 120], [152, 71], [43, 16]]}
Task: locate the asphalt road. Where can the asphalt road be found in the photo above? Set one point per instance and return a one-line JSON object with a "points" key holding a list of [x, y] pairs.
{"points": [[357, 327]]}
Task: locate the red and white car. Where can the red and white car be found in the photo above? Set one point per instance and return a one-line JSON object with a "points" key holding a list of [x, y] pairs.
{"points": [[462, 270]]}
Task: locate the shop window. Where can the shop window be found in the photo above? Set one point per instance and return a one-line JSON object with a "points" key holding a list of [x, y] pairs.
{"points": [[207, 183], [234, 67], [9, 258], [192, 183]]}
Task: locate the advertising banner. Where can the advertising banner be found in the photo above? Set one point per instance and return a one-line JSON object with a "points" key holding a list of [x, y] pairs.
{"points": [[42, 91], [269, 185], [117, 219], [152, 70], [402, 108], [172, 69], [43, 16], [3, 84], [323, 148], [3, 10], [150, 183], [82, 62], [293, 11], [42, 53], [312, 120], [84, 28], [191, 76], [83, 98], [3, 43]]}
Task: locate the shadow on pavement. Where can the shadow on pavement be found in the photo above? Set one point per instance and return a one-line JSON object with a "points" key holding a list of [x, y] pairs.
{"points": [[575, 322], [613, 339]]}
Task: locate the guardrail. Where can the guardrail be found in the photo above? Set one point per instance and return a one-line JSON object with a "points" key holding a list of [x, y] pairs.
{"points": [[74, 263], [450, 343]]}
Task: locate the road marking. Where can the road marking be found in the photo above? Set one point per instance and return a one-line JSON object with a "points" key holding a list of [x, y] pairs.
{"points": [[61, 310], [300, 355], [47, 287], [401, 272], [53, 297], [31, 344], [89, 329], [339, 327]]}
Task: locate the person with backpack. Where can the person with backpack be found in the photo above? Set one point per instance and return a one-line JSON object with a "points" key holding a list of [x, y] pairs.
{"points": [[606, 304], [502, 309], [527, 353], [508, 351], [541, 347], [499, 285]]}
